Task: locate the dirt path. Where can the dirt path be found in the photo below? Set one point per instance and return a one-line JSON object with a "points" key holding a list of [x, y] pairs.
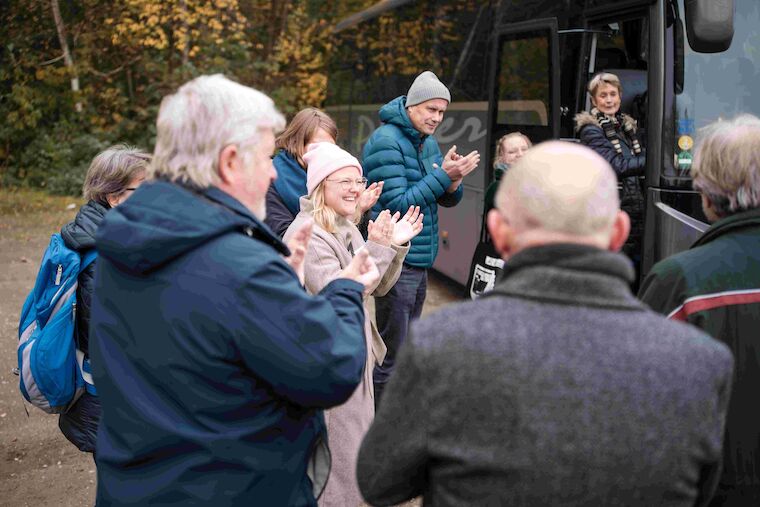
{"points": [[38, 466]]}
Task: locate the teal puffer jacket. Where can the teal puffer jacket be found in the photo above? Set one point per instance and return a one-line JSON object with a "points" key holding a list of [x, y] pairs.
{"points": [[399, 155]]}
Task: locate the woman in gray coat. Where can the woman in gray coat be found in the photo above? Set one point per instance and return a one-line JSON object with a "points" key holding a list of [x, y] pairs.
{"points": [[334, 184]]}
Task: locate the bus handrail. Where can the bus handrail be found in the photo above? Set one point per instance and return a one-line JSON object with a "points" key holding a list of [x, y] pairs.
{"points": [[683, 217]]}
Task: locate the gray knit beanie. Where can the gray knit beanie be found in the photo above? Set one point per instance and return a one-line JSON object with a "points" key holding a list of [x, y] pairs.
{"points": [[425, 87]]}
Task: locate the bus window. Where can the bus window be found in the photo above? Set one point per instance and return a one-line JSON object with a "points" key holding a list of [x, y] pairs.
{"points": [[377, 60], [716, 85], [524, 80], [621, 48]]}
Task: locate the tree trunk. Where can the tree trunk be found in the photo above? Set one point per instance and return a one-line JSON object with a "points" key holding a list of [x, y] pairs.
{"points": [[66, 53], [186, 49]]}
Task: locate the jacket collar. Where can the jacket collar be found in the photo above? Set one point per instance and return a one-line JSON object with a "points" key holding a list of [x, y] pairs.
{"points": [[257, 228], [570, 274], [80, 233], [731, 223]]}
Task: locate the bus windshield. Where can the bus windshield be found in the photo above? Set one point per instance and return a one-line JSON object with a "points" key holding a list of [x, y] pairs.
{"points": [[719, 85]]}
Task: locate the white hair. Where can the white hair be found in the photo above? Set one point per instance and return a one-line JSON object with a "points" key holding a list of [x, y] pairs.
{"points": [[200, 119], [560, 187], [727, 164]]}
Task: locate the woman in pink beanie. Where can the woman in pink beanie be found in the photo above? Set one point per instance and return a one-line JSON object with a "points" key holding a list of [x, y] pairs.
{"points": [[334, 182]]}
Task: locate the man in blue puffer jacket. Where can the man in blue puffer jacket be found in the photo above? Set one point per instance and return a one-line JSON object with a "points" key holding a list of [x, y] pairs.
{"points": [[212, 362], [403, 153]]}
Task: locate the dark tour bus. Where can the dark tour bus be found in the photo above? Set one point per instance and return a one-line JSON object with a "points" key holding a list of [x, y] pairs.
{"points": [[523, 65]]}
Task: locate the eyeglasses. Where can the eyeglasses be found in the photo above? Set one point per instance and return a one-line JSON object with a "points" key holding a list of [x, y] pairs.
{"points": [[347, 184]]}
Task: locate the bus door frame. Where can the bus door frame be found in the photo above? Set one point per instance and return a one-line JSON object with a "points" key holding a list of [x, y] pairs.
{"points": [[502, 32]]}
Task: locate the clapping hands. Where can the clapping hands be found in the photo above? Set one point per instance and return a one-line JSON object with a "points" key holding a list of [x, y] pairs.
{"points": [[369, 196], [408, 227], [458, 166], [389, 229], [297, 245]]}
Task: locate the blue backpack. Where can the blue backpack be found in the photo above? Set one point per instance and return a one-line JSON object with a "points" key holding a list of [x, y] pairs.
{"points": [[54, 373]]}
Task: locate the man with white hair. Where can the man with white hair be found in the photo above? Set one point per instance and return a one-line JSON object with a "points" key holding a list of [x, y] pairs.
{"points": [[715, 285], [558, 387], [212, 362]]}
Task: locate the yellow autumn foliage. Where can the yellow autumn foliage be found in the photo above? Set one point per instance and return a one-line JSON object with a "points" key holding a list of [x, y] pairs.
{"points": [[176, 24]]}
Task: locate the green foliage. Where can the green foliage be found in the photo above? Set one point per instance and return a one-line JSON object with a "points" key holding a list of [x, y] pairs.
{"points": [[56, 161]]}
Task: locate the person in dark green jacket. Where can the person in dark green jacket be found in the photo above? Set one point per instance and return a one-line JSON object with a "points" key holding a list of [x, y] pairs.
{"points": [[403, 154], [715, 285]]}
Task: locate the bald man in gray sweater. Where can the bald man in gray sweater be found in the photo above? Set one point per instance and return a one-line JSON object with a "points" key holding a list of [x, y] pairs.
{"points": [[558, 388]]}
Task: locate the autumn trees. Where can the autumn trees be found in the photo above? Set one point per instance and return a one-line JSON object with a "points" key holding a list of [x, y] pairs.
{"points": [[78, 75]]}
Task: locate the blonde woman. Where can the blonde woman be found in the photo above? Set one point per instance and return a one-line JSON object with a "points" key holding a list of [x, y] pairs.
{"points": [[335, 182]]}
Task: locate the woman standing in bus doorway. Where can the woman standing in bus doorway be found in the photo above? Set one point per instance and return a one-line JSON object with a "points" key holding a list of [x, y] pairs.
{"points": [[335, 182], [613, 135], [310, 125]]}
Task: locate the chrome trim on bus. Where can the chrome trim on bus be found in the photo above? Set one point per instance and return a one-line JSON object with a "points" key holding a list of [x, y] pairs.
{"points": [[683, 217]]}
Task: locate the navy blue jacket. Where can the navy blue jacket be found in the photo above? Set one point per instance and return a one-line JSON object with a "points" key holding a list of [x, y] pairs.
{"points": [[399, 155], [79, 235], [627, 165], [212, 362], [284, 194]]}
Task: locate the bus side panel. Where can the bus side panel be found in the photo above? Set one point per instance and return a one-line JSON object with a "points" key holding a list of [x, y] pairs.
{"points": [[465, 125], [459, 234]]}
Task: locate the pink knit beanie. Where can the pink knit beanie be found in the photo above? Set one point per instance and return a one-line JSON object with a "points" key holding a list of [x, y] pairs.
{"points": [[323, 159]]}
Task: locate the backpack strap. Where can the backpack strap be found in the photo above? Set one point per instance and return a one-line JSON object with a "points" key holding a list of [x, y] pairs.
{"points": [[88, 259]]}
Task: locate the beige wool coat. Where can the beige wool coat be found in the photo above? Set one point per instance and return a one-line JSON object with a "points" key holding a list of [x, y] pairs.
{"points": [[327, 255]]}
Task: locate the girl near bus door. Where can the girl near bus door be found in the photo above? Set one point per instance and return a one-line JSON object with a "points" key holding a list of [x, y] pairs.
{"points": [[485, 265]]}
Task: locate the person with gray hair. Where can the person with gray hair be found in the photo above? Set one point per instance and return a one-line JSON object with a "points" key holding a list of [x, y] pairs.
{"points": [[213, 363], [614, 135], [111, 178], [403, 155], [715, 285], [558, 387]]}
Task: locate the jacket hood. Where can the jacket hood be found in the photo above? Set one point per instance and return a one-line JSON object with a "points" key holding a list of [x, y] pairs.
{"points": [[394, 113], [79, 234], [161, 221]]}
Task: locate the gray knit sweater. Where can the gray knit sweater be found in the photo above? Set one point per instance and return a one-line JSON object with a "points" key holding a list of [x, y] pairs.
{"points": [[560, 388]]}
